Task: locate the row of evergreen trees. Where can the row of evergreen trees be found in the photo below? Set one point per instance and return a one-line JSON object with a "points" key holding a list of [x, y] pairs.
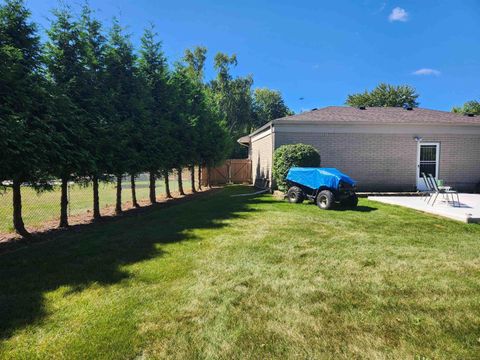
{"points": [[86, 106]]}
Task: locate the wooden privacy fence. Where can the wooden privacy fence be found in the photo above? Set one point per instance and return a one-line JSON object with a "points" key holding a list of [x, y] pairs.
{"points": [[233, 171]]}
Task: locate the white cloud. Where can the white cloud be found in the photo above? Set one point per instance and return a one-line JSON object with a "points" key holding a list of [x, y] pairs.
{"points": [[398, 14], [426, 71]]}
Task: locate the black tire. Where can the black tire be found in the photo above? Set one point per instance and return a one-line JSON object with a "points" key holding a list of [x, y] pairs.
{"points": [[325, 200], [295, 195], [351, 201]]}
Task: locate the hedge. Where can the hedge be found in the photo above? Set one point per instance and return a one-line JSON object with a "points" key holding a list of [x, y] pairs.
{"points": [[295, 155]]}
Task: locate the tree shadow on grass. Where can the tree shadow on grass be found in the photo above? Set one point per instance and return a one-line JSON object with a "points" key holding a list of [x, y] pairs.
{"points": [[98, 252]]}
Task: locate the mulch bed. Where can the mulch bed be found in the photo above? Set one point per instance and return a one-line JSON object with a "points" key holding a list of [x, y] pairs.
{"points": [[49, 229]]}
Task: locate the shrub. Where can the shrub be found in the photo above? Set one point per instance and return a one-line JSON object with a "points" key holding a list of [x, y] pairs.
{"points": [[295, 155]]}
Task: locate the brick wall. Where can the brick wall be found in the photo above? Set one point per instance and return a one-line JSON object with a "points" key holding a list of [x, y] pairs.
{"points": [[262, 157], [459, 159], [381, 162]]}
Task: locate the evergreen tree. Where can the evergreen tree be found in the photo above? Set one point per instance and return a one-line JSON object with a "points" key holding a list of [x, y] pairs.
{"points": [[88, 108], [195, 61], [158, 142], [182, 121], [123, 115], [215, 137], [28, 137], [94, 100], [66, 72]]}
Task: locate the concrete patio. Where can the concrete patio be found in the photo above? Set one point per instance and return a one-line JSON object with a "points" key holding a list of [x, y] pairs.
{"points": [[468, 211]]}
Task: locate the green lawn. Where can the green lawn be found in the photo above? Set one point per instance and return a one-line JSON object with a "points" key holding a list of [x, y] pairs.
{"points": [[45, 206], [247, 278]]}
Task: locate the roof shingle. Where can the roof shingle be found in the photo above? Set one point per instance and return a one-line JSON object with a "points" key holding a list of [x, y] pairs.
{"points": [[383, 115]]}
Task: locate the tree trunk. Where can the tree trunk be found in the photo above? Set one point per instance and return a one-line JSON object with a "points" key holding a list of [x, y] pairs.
{"points": [[64, 203], [17, 210], [118, 204], [167, 184], [192, 178], [200, 177], [180, 182], [134, 192], [96, 199], [209, 170], [153, 196]]}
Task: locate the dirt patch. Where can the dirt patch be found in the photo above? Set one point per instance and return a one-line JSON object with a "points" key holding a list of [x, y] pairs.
{"points": [[280, 195], [44, 232]]}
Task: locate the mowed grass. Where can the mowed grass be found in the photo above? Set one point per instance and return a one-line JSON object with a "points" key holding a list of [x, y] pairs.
{"points": [[247, 278], [45, 206]]}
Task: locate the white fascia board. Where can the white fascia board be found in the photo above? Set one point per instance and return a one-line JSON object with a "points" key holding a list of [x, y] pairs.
{"points": [[261, 135]]}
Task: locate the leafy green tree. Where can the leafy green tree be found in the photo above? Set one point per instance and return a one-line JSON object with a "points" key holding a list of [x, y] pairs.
{"points": [[25, 128], [195, 60], [470, 107], [385, 95], [66, 73], [234, 99], [268, 105], [153, 69]]}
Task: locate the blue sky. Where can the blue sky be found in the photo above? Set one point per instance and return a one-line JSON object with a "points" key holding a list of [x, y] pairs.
{"points": [[319, 50]]}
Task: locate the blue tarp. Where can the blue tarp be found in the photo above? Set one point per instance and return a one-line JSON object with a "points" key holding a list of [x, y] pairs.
{"points": [[316, 177]]}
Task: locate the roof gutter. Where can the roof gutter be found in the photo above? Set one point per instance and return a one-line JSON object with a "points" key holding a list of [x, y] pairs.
{"points": [[315, 122]]}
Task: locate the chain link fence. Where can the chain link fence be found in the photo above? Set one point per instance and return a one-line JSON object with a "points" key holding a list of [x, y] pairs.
{"points": [[41, 211]]}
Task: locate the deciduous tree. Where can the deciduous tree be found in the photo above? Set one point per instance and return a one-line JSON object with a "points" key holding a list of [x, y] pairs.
{"points": [[470, 107], [268, 105], [385, 95], [234, 100]]}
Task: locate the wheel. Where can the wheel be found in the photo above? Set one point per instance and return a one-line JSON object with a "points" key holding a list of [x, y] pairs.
{"points": [[295, 195], [351, 201], [325, 199]]}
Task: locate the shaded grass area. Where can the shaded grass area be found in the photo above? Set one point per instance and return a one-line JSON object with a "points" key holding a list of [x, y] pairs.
{"points": [[254, 277], [44, 206]]}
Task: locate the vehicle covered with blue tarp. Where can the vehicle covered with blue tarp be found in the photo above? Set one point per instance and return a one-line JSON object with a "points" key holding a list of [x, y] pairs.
{"points": [[325, 186]]}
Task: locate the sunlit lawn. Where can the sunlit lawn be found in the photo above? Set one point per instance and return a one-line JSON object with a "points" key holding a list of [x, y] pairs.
{"points": [[247, 278]]}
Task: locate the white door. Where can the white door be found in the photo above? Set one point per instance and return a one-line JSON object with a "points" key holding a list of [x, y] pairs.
{"points": [[427, 162]]}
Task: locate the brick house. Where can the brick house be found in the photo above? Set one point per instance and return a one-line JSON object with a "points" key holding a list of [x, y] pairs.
{"points": [[383, 148]]}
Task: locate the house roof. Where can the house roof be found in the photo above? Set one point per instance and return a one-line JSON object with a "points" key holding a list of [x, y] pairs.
{"points": [[383, 115], [372, 115]]}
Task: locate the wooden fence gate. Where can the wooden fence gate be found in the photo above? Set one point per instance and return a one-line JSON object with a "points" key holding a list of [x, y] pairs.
{"points": [[233, 171]]}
